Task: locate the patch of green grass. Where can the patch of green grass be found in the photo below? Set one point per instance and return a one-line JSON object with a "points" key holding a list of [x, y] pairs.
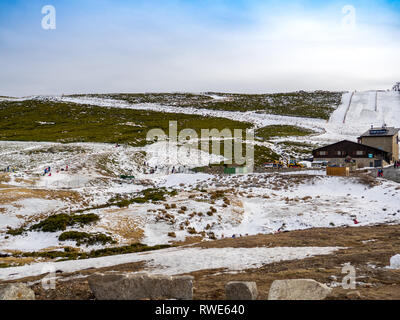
{"points": [[23, 121], [266, 133], [61, 221], [16, 232], [138, 247], [86, 238], [263, 154]]}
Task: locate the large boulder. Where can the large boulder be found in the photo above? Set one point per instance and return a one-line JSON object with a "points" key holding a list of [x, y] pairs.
{"points": [[16, 291], [125, 286], [395, 262], [238, 290], [353, 295], [298, 289]]}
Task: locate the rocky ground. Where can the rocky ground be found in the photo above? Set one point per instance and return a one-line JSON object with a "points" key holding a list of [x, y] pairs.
{"points": [[368, 249]]}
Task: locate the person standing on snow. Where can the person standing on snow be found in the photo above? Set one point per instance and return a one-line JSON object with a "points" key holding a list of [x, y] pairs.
{"points": [[282, 228]]}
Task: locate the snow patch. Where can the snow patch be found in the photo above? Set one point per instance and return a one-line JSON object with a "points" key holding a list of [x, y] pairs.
{"points": [[395, 262], [187, 179], [176, 261]]}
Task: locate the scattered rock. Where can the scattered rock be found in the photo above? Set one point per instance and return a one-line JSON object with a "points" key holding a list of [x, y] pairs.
{"points": [[16, 291], [123, 286], [298, 289], [353, 295], [238, 290], [395, 262]]}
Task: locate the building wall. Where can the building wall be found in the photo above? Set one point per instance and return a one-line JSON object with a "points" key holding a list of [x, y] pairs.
{"points": [[388, 144], [347, 148], [360, 162], [396, 147]]}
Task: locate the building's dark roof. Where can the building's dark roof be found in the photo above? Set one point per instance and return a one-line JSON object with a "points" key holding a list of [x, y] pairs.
{"points": [[381, 132], [353, 143]]}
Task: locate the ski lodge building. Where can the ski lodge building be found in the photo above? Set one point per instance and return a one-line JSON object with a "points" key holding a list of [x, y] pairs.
{"points": [[375, 148], [385, 138]]}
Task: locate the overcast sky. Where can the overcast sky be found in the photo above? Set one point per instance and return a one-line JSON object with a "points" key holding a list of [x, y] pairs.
{"points": [[253, 46]]}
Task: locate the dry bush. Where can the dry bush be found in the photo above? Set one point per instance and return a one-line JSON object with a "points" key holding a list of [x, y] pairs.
{"points": [[367, 180]]}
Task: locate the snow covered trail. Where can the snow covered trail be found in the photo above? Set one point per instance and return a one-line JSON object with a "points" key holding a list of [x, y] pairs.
{"points": [[176, 261]]}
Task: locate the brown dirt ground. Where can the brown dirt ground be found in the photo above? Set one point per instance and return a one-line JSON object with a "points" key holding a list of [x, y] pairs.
{"points": [[4, 177], [8, 195], [372, 283]]}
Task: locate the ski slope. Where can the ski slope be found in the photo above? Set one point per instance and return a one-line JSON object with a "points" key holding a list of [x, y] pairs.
{"points": [[360, 110]]}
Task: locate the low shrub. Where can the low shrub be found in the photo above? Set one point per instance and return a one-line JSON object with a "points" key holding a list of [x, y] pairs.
{"points": [[60, 222], [148, 195], [137, 247], [86, 238], [15, 232]]}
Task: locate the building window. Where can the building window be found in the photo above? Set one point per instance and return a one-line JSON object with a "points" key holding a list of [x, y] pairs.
{"points": [[360, 153], [323, 153], [339, 153]]}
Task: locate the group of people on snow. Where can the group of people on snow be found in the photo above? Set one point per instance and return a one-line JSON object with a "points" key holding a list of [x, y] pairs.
{"points": [[47, 170]]}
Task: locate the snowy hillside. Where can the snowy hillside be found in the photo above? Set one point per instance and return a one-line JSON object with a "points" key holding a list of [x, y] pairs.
{"points": [[360, 110], [145, 195], [357, 112]]}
